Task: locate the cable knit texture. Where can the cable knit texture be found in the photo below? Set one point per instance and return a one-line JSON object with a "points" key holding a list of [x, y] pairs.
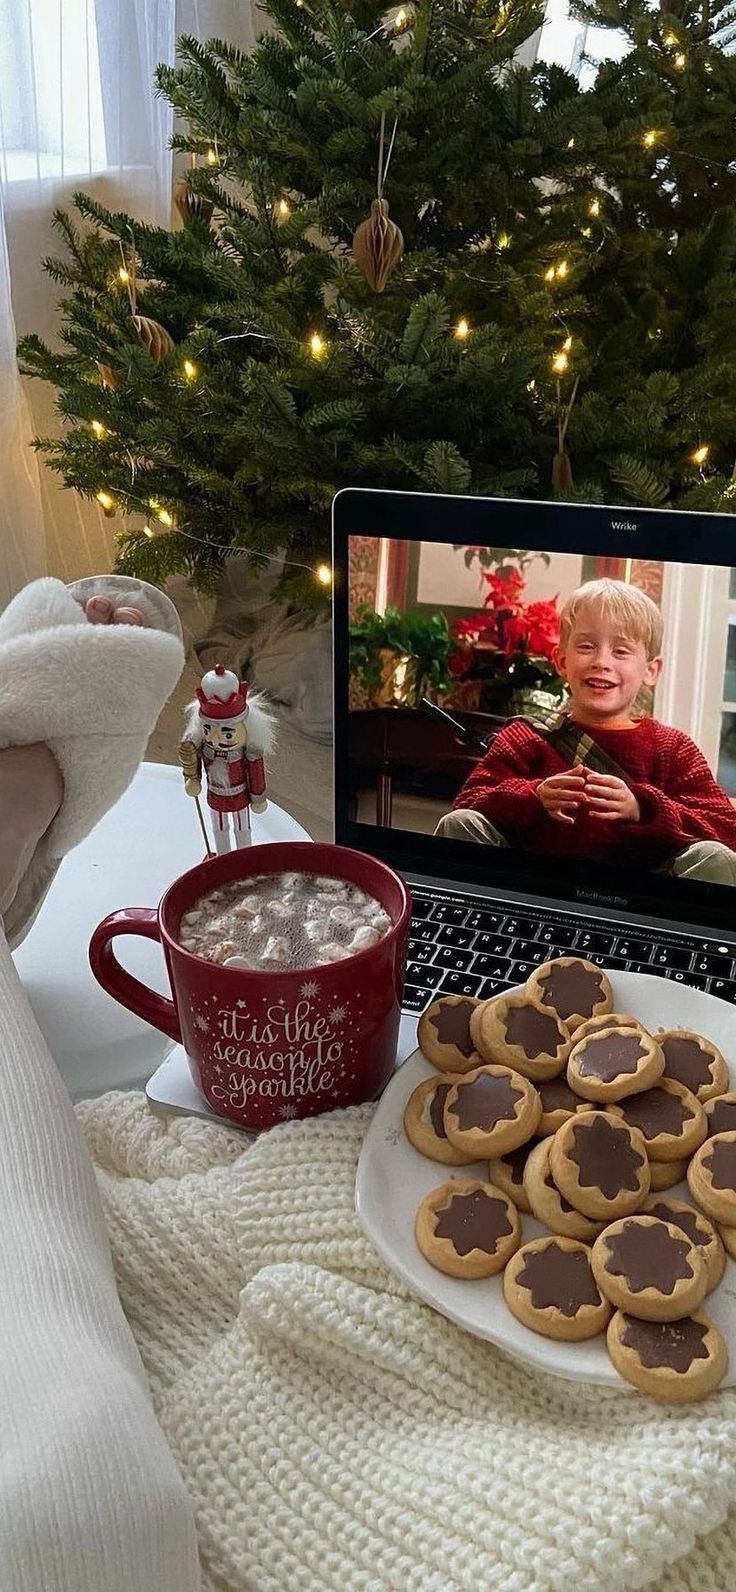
{"points": [[335, 1433]]}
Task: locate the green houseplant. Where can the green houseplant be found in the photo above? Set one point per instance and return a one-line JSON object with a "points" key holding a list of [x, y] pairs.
{"points": [[396, 658]]}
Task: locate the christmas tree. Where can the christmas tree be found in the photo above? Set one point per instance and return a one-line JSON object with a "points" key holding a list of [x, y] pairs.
{"points": [[556, 313]]}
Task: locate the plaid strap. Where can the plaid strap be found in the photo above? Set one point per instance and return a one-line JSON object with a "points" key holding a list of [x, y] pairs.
{"points": [[575, 745]]}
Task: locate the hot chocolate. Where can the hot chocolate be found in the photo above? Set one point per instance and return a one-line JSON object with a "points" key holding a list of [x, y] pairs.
{"points": [[280, 921]]}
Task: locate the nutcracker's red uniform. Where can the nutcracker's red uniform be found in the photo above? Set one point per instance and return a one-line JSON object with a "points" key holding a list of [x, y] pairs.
{"points": [[233, 778]]}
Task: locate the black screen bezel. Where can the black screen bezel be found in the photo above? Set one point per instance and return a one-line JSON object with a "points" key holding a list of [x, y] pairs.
{"points": [[673, 536]]}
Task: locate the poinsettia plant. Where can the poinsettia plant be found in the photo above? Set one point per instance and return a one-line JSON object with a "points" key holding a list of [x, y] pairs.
{"points": [[509, 630]]}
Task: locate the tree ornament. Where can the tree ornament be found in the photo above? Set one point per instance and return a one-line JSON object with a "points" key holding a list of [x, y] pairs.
{"points": [[191, 206], [562, 472], [154, 337], [378, 243], [109, 377]]}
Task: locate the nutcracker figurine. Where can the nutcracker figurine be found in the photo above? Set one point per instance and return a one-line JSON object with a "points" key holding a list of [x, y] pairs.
{"points": [[228, 737]]}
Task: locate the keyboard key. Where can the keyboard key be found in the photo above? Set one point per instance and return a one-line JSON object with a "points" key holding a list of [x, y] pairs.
{"points": [[637, 950], [674, 956], [444, 912], [448, 934], [557, 934], [717, 948], [520, 972], [601, 960], [489, 921], [724, 988], [492, 986], [530, 951], [420, 906], [418, 973], [423, 930], [521, 928], [460, 984], [416, 997], [696, 980], [447, 956], [720, 965], [645, 967], [419, 951], [493, 967], [492, 945], [602, 943]]}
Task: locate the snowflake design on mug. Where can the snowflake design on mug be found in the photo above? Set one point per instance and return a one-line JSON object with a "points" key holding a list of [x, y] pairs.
{"points": [[287, 1113], [309, 989], [202, 1023], [337, 1014]]}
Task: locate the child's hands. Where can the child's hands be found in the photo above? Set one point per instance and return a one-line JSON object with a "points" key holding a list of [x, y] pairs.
{"points": [[562, 795], [611, 798]]}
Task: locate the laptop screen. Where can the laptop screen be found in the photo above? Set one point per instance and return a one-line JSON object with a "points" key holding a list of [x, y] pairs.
{"points": [[553, 710]]}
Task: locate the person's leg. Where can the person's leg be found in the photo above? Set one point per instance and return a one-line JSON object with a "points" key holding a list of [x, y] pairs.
{"points": [[465, 824], [708, 860]]}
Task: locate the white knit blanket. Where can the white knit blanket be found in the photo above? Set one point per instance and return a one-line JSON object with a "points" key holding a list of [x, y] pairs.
{"points": [[335, 1433]]}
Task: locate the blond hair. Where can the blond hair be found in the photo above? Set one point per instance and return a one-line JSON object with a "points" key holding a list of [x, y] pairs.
{"points": [[628, 606]]}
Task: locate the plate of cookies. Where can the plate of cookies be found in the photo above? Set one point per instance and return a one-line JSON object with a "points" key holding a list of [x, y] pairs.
{"points": [[554, 1169]]}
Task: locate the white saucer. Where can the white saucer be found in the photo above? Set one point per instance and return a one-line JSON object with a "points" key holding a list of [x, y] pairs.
{"points": [[393, 1179]]}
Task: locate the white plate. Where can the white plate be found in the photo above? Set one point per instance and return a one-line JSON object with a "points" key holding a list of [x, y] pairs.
{"points": [[393, 1179]]}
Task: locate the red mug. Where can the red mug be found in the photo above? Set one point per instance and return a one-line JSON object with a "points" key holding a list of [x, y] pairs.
{"points": [[264, 1047]]}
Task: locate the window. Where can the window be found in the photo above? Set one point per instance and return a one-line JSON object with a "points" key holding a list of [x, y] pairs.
{"points": [[51, 121]]}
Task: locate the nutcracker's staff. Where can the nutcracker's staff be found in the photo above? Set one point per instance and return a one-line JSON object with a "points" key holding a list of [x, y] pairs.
{"points": [[189, 759]]}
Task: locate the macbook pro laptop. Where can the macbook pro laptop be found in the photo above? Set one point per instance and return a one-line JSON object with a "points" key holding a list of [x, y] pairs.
{"points": [[658, 893]]}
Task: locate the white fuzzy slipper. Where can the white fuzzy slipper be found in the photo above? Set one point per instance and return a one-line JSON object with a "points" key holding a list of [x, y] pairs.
{"points": [[93, 693]]}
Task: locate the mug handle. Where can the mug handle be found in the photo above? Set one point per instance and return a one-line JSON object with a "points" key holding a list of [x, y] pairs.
{"points": [[131, 992]]}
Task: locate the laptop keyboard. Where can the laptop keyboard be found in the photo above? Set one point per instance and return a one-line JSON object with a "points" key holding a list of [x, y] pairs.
{"points": [[468, 945]]}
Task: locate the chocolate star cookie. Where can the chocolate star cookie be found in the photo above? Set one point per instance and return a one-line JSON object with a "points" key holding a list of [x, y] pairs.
{"points": [[573, 988], [600, 1165], [424, 1123], [549, 1285], [650, 1268], [548, 1204], [670, 1118], [613, 1063], [711, 1178], [694, 1061], [699, 1230], [467, 1228], [517, 1032], [444, 1033], [676, 1361], [491, 1111]]}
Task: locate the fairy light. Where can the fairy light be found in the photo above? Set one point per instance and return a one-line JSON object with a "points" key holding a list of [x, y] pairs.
{"points": [[700, 454], [123, 275], [549, 274], [190, 370], [462, 330], [106, 501], [99, 430], [212, 157], [680, 62], [649, 138], [567, 345], [670, 39], [401, 20], [283, 209], [324, 574], [562, 268], [165, 517], [531, 386], [587, 232], [316, 345], [503, 241], [149, 532], [571, 143], [594, 208], [560, 363]]}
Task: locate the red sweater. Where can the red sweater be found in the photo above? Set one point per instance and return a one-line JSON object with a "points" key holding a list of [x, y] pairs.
{"points": [[679, 799]]}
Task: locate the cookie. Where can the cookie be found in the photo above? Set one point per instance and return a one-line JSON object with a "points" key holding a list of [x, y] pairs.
{"points": [[676, 1361], [694, 1061], [517, 1032], [549, 1285], [670, 1118], [720, 1114], [665, 1174], [711, 1178], [507, 1172], [491, 1111], [467, 1228], [573, 988], [728, 1235], [547, 1203], [607, 1020], [614, 1063], [699, 1230], [424, 1123], [559, 1104], [443, 1033], [600, 1165], [650, 1269]]}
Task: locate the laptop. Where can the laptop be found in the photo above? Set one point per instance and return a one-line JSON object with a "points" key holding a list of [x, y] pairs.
{"points": [[658, 896]]}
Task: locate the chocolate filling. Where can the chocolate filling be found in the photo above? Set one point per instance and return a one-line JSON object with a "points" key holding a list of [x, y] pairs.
{"points": [[473, 1221], [436, 1108], [559, 1277], [656, 1112], [671, 1344], [550, 1183], [558, 1096], [722, 1119], [452, 1025], [572, 990], [687, 1221], [606, 1056], [485, 1101], [648, 1257], [605, 1157], [536, 1033], [722, 1164], [685, 1061]]}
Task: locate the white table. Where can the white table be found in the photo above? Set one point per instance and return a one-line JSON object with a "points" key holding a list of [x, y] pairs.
{"points": [[149, 837]]}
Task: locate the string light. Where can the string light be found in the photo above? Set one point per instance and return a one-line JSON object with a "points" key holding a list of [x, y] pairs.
{"points": [[99, 430], [190, 370], [549, 274], [324, 574], [283, 209], [650, 138], [402, 19], [560, 363], [680, 62], [670, 39], [587, 232], [571, 143], [503, 241], [123, 275], [212, 156], [700, 454], [562, 268], [106, 501], [149, 532], [165, 517], [567, 345], [462, 330], [594, 208], [531, 386], [316, 345]]}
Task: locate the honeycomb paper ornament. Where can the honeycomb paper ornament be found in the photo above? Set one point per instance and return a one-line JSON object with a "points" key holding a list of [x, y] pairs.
{"points": [[378, 246], [153, 336], [109, 377], [191, 206]]}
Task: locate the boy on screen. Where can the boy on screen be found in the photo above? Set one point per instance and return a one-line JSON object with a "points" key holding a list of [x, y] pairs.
{"points": [[603, 785]]}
